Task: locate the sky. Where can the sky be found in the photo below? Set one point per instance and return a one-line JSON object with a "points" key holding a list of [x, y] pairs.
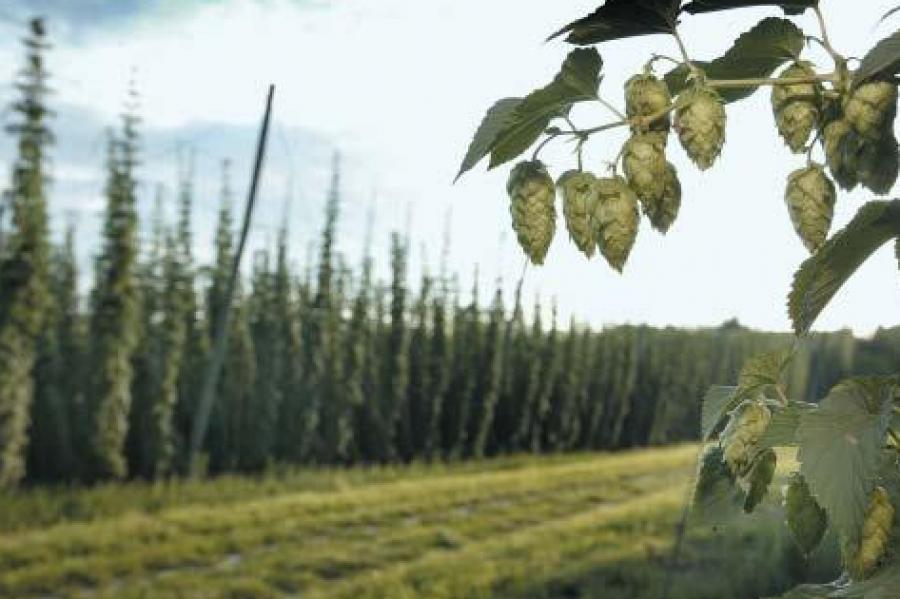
{"points": [[398, 88]]}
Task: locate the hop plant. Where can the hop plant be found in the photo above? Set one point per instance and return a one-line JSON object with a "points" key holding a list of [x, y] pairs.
{"points": [[871, 108], [759, 478], [616, 219], [644, 162], [645, 96], [796, 106], [836, 136], [747, 424], [806, 519], [875, 535], [701, 123], [663, 211], [810, 197], [532, 195], [579, 193]]}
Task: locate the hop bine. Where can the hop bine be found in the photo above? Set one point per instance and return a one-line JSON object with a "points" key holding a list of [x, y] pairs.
{"points": [[739, 439], [532, 195], [875, 535], [579, 192], [701, 123], [810, 197], [806, 519], [616, 219], [796, 106], [645, 96]]}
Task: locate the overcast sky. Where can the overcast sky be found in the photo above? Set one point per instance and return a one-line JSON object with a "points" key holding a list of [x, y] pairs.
{"points": [[398, 87]]}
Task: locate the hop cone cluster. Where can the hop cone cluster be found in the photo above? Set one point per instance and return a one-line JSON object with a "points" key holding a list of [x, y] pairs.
{"points": [[701, 124], [532, 195], [875, 534], [806, 519], [759, 478], [617, 219], [810, 197], [579, 192], [645, 96], [747, 424], [796, 106], [860, 145]]}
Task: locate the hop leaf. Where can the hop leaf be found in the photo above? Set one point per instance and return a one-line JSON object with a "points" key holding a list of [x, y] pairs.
{"points": [[876, 531], [701, 124], [579, 192], [796, 106], [616, 219], [644, 162], [739, 439], [759, 478], [871, 108], [714, 479], [810, 198], [532, 197], [664, 210], [645, 96], [806, 519]]}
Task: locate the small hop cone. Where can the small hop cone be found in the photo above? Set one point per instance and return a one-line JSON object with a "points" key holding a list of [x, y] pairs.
{"points": [[645, 96], [701, 124], [878, 163], [617, 219], [810, 197], [796, 106], [759, 478], [876, 531], [712, 472], [747, 424], [871, 108], [806, 519], [663, 212], [836, 137], [644, 162], [532, 195], [579, 192]]}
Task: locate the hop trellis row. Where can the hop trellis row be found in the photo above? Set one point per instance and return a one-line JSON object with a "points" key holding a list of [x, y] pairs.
{"points": [[838, 120]]}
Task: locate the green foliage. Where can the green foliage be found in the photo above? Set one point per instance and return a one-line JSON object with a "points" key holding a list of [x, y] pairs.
{"points": [[883, 60], [617, 19], [756, 53], [791, 7]]}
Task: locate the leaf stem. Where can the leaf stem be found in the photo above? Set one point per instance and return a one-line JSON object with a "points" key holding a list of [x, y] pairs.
{"points": [[839, 60], [611, 108], [543, 144], [684, 54]]}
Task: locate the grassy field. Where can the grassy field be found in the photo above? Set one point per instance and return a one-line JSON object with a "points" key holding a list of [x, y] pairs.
{"points": [[564, 526]]}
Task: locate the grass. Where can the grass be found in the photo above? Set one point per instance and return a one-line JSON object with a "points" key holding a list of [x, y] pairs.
{"points": [[529, 528]]}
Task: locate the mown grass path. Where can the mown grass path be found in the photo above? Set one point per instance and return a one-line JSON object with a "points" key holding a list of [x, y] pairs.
{"points": [[495, 532]]}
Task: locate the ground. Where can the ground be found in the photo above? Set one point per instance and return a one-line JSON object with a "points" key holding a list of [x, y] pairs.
{"points": [[579, 526]]}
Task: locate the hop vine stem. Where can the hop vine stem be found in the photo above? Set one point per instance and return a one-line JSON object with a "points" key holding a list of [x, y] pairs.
{"points": [[826, 41]]}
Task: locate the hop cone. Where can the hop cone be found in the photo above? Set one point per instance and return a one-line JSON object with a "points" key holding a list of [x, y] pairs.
{"points": [[878, 163], [875, 534], [711, 474], [644, 162], [532, 197], [837, 136], [871, 108], [579, 192], [701, 126], [806, 519], [664, 210], [747, 424], [796, 107], [645, 95], [810, 198], [616, 219], [759, 478]]}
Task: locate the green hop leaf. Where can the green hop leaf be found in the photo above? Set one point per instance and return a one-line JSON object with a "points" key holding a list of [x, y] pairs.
{"points": [[806, 519], [759, 478]]}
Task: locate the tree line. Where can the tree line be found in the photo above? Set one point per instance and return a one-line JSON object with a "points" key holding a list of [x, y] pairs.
{"points": [[329, 365]]}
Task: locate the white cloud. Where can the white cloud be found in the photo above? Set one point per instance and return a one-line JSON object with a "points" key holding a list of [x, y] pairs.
{"points": [[400, 86]]}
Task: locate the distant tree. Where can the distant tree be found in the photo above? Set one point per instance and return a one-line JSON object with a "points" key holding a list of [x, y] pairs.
{"points": [[489, 375], [25, 297]]}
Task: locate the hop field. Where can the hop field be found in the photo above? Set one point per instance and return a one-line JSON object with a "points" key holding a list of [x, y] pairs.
{"points": [[556, 526]]}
